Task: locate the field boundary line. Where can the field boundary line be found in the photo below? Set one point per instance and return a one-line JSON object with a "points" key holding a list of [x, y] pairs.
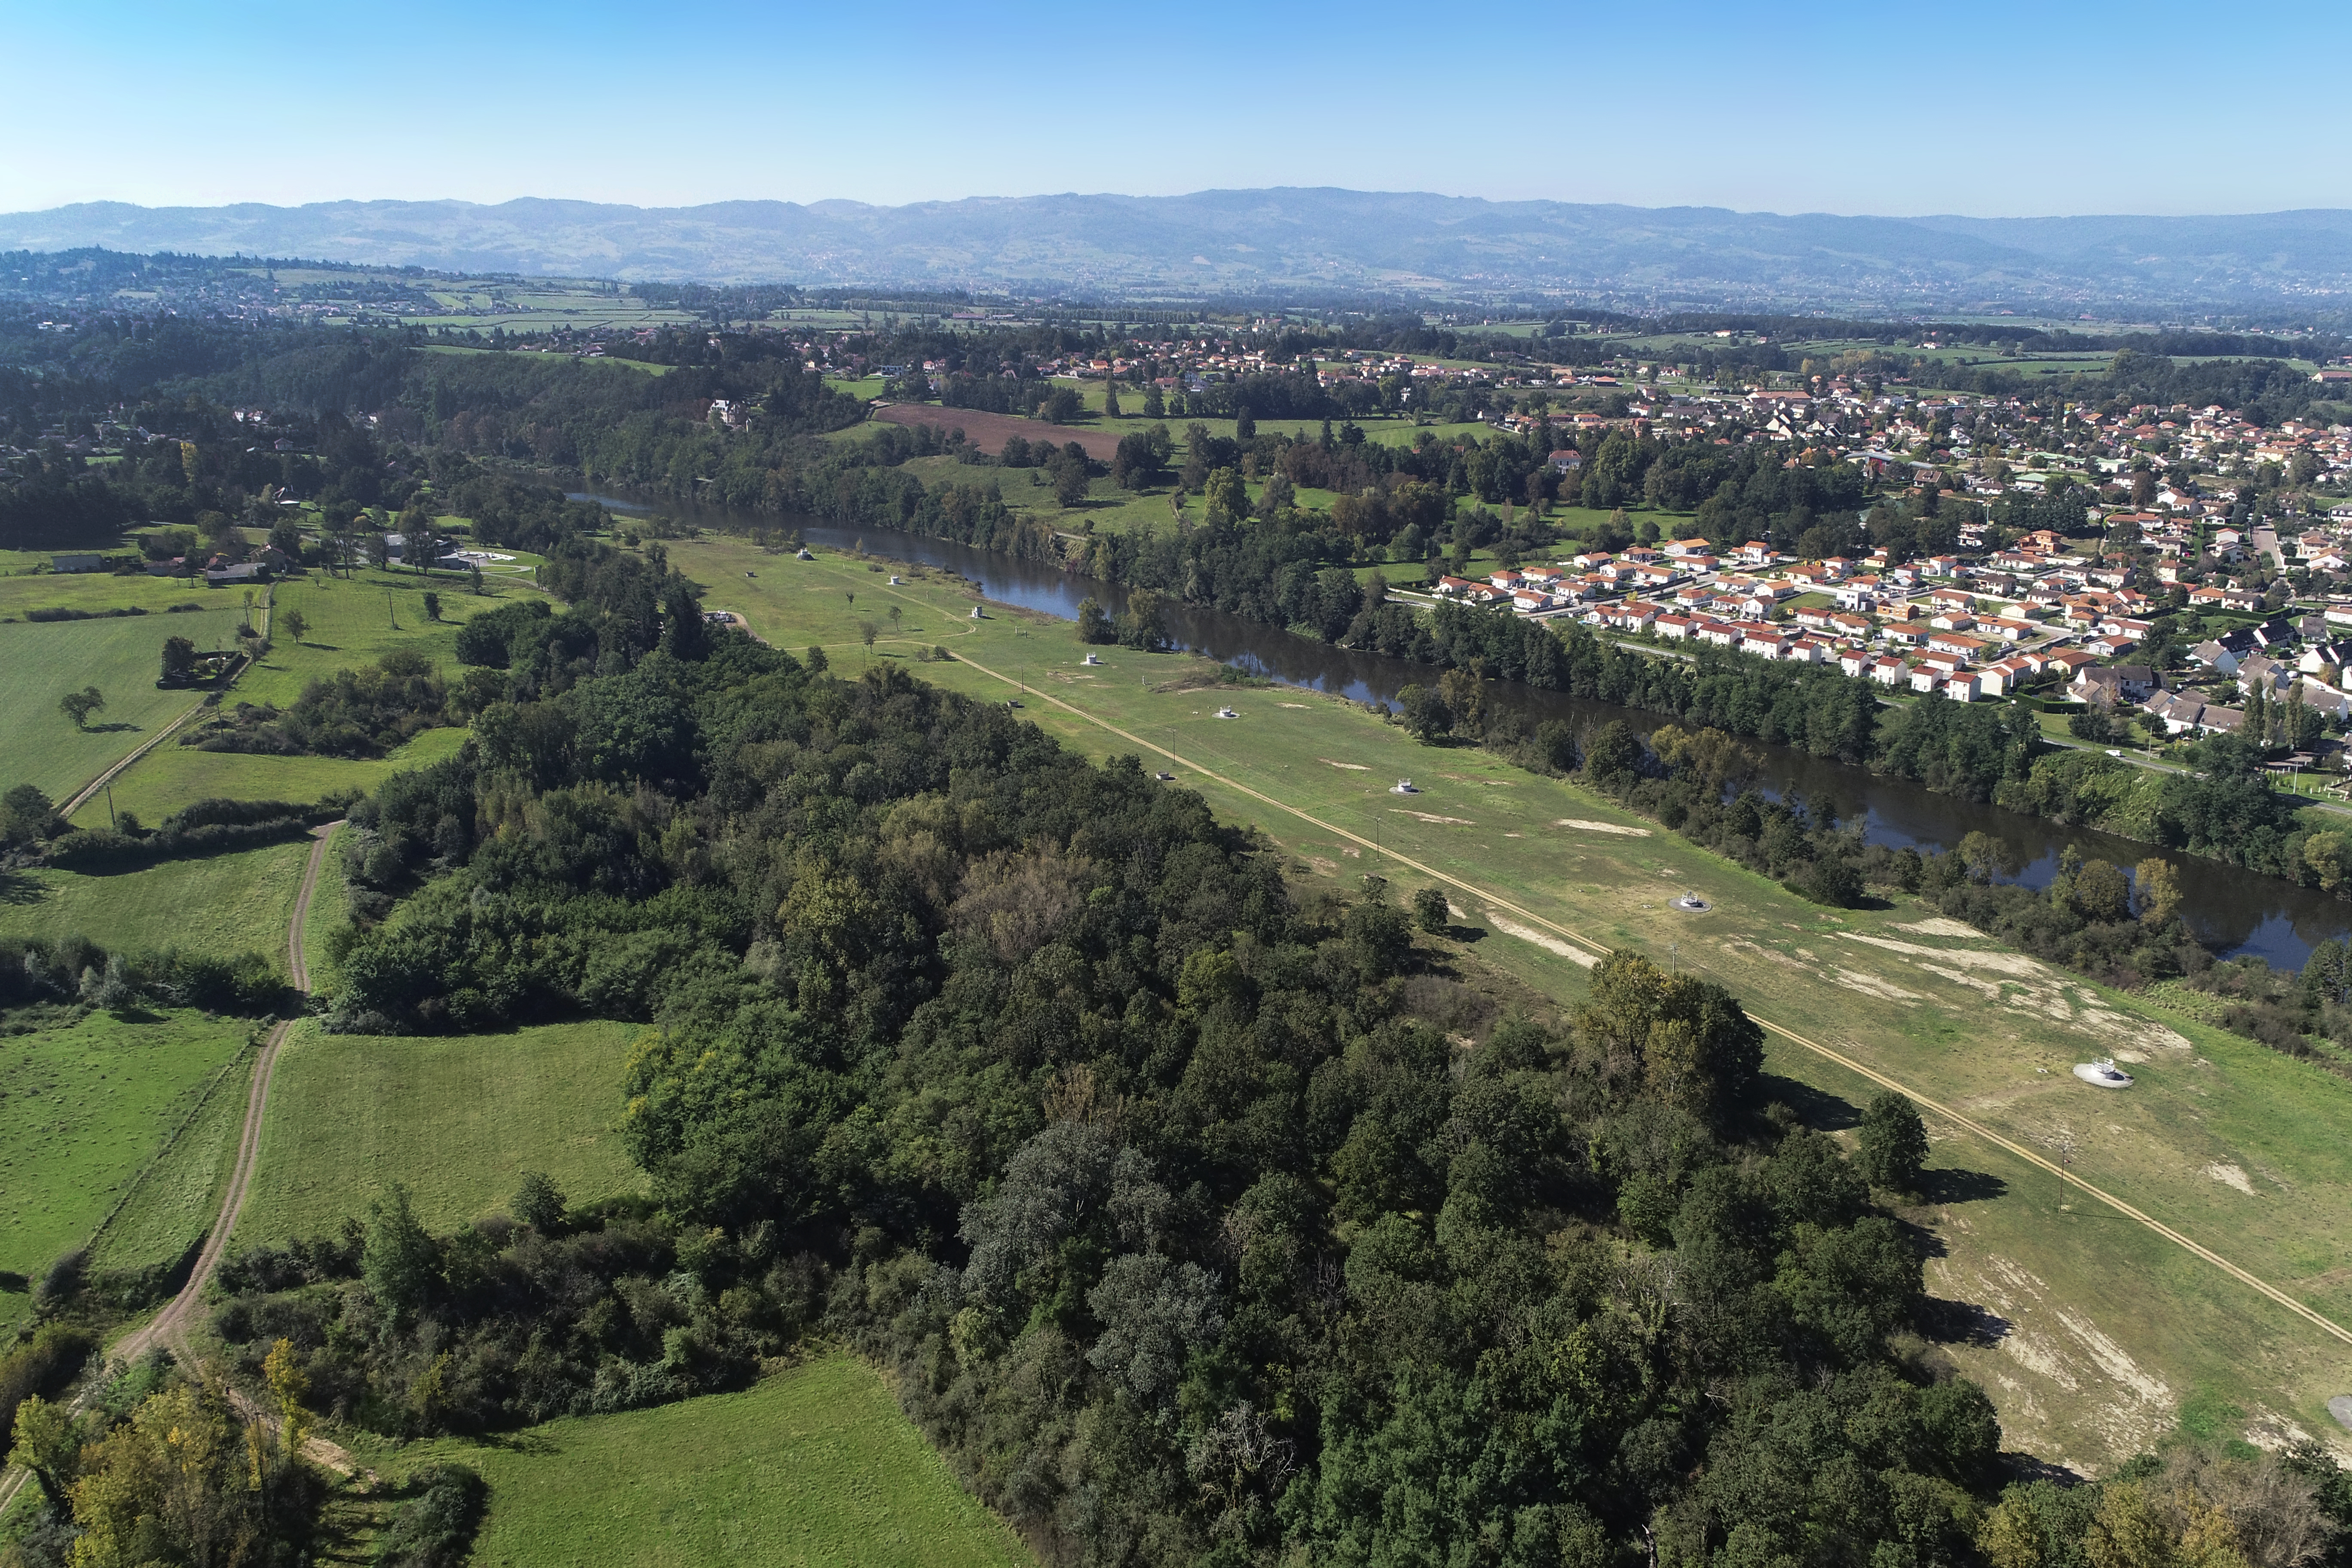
{"points": [[211, 1088], [2195, 1249]]}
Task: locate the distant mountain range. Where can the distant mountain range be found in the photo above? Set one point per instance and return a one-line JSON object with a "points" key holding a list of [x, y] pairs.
{"points": [[1299, 241]]}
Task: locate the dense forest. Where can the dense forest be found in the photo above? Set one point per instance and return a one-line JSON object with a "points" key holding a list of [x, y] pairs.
{"points": [[1192, 1235]]}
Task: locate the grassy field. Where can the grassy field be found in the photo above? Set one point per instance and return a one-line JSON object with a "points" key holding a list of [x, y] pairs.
{"points": [[214, 903], [172, 1206], [98, 590], [82, 1109], [458, 1119], [173, 775], [45, 660], [815, 1465], [356, 621], [2107, 1328], [328, 912]]}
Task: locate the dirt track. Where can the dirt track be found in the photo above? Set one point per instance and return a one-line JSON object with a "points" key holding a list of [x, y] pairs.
{"points": [[170, 1326], [990, 431], [1595, 949]]}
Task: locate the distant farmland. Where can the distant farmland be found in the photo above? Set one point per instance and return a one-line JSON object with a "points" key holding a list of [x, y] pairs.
{"points": [[990, 431]]}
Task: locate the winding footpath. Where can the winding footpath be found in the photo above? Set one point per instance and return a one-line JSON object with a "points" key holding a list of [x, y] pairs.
{"points": [[1594, 951], [169, 1327]]}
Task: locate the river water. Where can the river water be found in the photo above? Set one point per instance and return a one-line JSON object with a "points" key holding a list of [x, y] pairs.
{"points": [[2237, 912]]}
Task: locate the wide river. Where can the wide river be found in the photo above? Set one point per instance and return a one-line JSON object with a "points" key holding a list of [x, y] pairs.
{"points": [[2237, 912]]}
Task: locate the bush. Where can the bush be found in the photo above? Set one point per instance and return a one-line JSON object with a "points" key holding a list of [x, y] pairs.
{"points": [[436, 1528], [44, 1367]]}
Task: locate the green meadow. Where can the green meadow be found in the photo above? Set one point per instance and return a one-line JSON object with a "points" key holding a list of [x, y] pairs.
{"points": [[173, 775], [121, 657], [2111, 1327], [457, 1119], [83, 1109], [230, 903], [813, 1467], [356, 621]]}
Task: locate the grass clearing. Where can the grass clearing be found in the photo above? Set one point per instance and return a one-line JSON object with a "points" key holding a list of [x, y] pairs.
{"points": [[231, 903], [82, 1108], [815, 1465], [45, 660], [173, 775], [328, 912], [2106, 1328], [97, 592], [458, 1119], [356, 621]]}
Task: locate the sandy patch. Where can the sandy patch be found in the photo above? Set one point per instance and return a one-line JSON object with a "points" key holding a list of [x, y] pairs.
{"points": [[1299, 705], [1582, 827], [1424, 816], [2071, 1351], [1325, 865], [1870, 985], [2231, 1176], [2014, 981], [1939, 926], [2015, 964], [1544, 940], [1351, 767]]}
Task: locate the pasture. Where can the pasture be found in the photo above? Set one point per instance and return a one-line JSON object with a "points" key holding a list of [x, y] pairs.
{"points": [[173, 775], [83, 1108], [814, 1465], [2106, 1326], [231, 903], [121, 657], [356, 621], [458, 1119]]}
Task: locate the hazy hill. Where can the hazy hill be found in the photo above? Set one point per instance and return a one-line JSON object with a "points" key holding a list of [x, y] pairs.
{"points": [[1275, 240]]}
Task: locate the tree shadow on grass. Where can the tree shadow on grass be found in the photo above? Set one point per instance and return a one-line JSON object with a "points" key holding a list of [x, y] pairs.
{"points": [[1961, 1323], [1955, 1186], [1816, 1107], [17, 889], [114, 729]]}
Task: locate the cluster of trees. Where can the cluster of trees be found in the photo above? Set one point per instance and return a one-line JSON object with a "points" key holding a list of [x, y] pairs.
{"points": [[73, 971], [553, 1312], [159, 1466], [213, 826], [362, 713], [2223, 809], [1186, 1237]]}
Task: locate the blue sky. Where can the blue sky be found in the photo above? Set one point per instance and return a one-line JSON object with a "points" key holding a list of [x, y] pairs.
{"points": [[1993, 107]]}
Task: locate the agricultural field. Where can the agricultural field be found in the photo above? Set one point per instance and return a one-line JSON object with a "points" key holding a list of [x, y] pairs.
{"points": [[814, 1465], [458, 1119], [83, 1109], [173, 775], [2105, 1329], [231, 903], [121, 657]]}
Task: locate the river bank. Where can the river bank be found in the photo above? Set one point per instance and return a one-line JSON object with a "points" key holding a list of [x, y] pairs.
{"points": [[1900, 989], [2236, 912]]}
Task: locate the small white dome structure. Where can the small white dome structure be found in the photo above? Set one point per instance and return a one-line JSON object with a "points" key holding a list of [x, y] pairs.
{"points": [[2103, 1073]]}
